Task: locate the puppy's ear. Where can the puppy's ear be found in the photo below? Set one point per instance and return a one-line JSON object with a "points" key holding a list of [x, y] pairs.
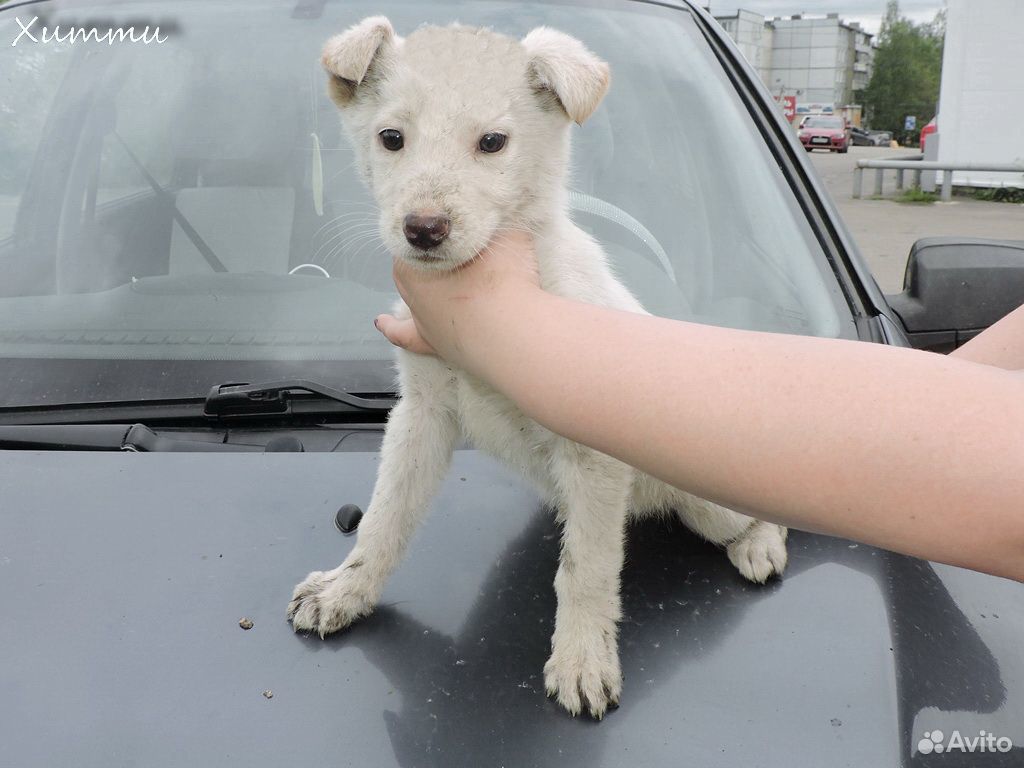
{"points": [[562, 65], [350, 56]]}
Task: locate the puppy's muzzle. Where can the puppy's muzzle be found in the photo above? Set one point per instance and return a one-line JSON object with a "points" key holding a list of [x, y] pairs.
{"points": [[426, 231]]}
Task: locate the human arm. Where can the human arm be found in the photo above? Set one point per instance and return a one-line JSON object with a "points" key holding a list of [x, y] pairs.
{"points": [[1001, 345], [907, 450]]}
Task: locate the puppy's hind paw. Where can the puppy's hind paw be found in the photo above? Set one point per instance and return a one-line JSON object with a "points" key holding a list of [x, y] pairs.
{"points": [[326, 602], [760, 552], [586, 676]]}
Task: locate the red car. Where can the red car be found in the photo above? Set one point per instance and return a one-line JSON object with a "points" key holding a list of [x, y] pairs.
{"points": [[929, 129], [823, 132]]}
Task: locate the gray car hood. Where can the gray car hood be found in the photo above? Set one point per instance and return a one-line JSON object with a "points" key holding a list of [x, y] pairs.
{"points": [[123, 578]]}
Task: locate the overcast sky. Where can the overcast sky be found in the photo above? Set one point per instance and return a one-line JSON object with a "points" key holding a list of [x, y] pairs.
{"points": [[867, 12]]}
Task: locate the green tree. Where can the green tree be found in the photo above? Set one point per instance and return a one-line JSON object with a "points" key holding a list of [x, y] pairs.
{"points": [[907, 73]]}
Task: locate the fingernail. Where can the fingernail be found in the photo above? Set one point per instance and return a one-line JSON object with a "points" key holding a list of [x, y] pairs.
{"points": [[376, 323]]}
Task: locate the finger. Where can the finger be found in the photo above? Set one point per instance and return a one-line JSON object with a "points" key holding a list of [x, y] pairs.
{"points": [[403, 334]]}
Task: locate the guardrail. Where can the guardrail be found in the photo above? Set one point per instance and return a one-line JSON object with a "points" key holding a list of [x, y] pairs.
{"points": [[916, 164]]}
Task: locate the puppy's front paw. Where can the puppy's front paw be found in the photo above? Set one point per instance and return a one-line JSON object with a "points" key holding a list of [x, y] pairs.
{"points": [[760, 552], [327, 601], [583, 672]]}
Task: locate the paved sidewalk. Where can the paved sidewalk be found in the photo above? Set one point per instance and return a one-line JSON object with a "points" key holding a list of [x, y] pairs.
{"points": [[885, 230]]}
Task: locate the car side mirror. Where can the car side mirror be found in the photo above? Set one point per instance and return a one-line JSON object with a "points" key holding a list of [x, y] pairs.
{"points": [[954, 288]]}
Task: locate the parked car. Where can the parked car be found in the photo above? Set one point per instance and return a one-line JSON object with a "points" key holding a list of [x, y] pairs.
{"points": [[824, 132], [183, 216], [863, 138]]}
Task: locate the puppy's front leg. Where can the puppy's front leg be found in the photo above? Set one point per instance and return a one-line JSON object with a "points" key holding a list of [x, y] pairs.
{"points": [[415, 455], [583, 670]]}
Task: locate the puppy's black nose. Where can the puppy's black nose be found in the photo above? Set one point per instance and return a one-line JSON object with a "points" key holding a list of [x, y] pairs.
{"points": [[426, 230]]}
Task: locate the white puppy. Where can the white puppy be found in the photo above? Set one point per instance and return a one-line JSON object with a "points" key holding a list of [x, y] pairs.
{"points": [[461, 132]]}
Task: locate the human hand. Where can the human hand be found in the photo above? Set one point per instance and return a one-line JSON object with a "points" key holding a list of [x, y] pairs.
{"points": [[442, 303]]}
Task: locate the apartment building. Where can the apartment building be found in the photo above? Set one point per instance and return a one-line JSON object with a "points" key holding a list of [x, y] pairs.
{"points": [[752, 34], [821, 60]]}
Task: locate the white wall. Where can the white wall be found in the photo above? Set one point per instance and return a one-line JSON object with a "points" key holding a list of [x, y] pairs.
{"points": [[981, 102], [753, 37]]}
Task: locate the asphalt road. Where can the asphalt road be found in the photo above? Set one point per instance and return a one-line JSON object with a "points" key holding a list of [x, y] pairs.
{"points": [[885, 229]]}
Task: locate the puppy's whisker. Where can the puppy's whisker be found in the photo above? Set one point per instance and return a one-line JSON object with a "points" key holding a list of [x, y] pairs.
{"points": [[354, 230], [347, 167], [352, 201], [339, 254], [373, 259], [359, 234], [341, 247], [343, 221], [345, 202], [339, 220], [357, 237], [351, 246], [344, 232], [358, 251]]}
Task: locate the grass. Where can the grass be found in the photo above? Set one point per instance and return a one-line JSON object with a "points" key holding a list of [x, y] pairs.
{"points": [[994, 195], [916, 195]]}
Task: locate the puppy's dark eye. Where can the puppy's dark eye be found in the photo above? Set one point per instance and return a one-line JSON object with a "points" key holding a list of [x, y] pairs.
{"points": [[391, 139], [492, 142]]}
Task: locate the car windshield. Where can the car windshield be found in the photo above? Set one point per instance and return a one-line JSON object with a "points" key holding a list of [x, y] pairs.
{"points": [[833, 123], [186, 211]]}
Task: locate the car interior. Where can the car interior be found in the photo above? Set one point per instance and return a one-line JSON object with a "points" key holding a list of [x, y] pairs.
{"points": [[201, 201]]}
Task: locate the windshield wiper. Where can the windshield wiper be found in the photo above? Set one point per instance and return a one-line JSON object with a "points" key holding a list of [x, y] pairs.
{"points": [[276, 397], [291, 400]]}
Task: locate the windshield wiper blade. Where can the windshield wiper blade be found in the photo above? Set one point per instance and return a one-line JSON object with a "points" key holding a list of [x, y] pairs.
{"points": [[136, 438], [277, 397], [278, 401]]}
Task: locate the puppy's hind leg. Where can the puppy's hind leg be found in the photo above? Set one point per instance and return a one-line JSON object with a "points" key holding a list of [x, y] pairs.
{"points": [[417, 449], [584, 671]]}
